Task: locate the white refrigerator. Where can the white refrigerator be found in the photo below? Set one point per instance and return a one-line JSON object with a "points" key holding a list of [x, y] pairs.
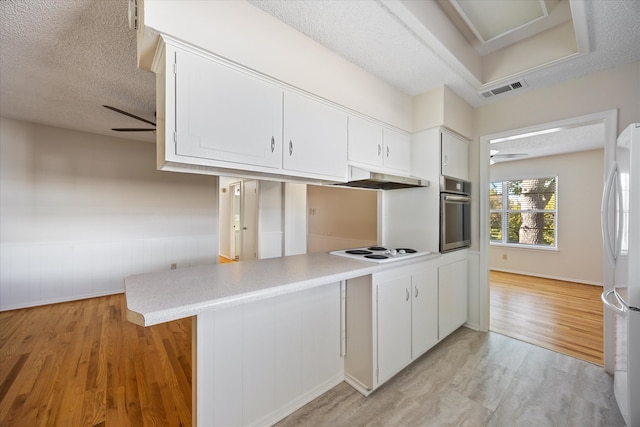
{"points": [[621, 235]]}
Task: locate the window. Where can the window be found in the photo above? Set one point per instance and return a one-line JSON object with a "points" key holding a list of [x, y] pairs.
{"points": [[523, 212]]}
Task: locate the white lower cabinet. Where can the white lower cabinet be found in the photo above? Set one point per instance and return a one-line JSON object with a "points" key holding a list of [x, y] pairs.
{"points": [[392, 318], [259, 361], [394, 326], [452, 296], [407, 319], [424, 310]]}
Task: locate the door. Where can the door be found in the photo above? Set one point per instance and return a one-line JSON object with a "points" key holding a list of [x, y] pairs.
{"points": [[249, 221], [394, 326], [235, 190], [452, 297], [424, 310], [226, 115], [315, 138], [455, 153], [397, 151]]}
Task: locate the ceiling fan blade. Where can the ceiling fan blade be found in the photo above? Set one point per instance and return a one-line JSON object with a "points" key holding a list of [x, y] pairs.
{"points": [[117, 110], [132, 130]]}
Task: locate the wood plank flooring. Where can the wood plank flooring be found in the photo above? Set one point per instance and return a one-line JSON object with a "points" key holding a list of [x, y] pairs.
{"points": [[82, 363], [561, 316], [475, 379]]}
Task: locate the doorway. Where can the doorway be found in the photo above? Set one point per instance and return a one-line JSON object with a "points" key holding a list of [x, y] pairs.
{"points": [[609, 119], [243, 235]]}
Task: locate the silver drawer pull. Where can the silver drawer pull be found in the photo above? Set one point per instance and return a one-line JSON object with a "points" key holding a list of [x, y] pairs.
{"points": [[273, 144], [290, 147]]}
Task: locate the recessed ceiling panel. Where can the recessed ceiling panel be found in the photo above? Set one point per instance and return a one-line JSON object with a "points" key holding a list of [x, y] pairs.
{"points": [[489, 19]]}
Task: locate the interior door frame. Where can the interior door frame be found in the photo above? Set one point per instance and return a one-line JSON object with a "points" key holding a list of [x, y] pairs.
{"points": [[610, 120]]}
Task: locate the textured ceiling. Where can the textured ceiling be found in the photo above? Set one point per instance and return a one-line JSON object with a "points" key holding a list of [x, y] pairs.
{"points": [[569, 140], [60, 60]]}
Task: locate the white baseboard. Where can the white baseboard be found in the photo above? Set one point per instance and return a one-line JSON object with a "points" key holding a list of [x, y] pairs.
{"points": [[546, 276], [293, 406]]}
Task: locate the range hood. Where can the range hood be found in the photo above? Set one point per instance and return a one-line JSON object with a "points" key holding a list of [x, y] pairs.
{"points": [[360, 178]]}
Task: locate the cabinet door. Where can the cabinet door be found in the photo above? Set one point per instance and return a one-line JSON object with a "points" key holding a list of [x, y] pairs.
{"points": [[424, 310], [455, 161], [225, 114], [365, 142], [452, 297], [397, 151], [315, 138], [394, 326]]}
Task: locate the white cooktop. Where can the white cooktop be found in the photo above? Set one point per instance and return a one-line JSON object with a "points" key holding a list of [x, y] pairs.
{"points": [[379, 254]]}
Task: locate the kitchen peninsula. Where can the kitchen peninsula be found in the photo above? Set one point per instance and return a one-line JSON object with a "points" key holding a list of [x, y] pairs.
{"points": [[271, 335]]}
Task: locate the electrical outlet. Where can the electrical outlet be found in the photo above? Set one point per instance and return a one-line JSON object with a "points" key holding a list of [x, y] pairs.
{"points": [[174, 266], [504, 257]]}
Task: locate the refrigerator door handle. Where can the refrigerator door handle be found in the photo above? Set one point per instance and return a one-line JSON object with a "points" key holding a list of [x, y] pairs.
{"points": [[605, 299], [609, 243]]}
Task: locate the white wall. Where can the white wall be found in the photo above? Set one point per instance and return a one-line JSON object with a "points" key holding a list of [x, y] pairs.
{"points": [[80, 212], [580, 184]]}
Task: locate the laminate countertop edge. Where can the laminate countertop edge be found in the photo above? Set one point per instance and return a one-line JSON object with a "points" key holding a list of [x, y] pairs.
{"points": [[154, 298]]}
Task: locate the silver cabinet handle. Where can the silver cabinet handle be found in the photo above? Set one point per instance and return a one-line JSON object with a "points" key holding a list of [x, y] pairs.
{"points": [[416, 296], [379, 149], [290, 147], [408, 294], [387, 151], [273, 144]]}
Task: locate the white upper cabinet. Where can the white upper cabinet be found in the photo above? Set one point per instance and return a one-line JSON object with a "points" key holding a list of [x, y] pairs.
{"points": [[454, 156], [365, 142], [372, 144], [315, 137], [397, 150], [224, 114]]}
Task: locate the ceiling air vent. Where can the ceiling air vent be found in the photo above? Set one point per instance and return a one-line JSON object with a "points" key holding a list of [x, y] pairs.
{"points": [[504, 89]]}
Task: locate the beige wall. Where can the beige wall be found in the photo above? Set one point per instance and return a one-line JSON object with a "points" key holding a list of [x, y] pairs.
{"points": [[341, 218], [618, 88], [580, 183], [79, 212]]}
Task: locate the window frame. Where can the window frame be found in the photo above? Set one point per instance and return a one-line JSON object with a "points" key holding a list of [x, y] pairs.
{"points": [[506, 211]]}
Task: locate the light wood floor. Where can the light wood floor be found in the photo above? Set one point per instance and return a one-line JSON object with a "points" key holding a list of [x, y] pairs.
{"points": [[83, 364], [560, 316]]}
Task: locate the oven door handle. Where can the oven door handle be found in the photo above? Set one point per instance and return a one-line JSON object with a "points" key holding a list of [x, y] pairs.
{"points": [[452, 198]]}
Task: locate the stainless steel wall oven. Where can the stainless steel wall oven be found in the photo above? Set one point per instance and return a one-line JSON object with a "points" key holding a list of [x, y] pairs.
{"points": [[455, 214]]}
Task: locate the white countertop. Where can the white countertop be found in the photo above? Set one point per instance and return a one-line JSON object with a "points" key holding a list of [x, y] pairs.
{"points": [[154, 298]]}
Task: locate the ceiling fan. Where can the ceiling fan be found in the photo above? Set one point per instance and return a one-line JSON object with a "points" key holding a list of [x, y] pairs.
{"points": [[495, 153], [117, 110]]}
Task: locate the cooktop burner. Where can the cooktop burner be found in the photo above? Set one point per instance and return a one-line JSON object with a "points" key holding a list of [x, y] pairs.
{"points": [[379, 253]]}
